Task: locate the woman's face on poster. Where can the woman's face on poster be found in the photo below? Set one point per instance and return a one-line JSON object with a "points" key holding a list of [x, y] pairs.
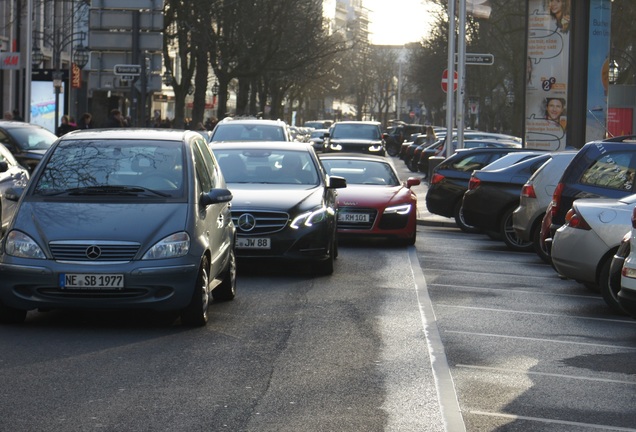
{"points": [[554, 109], [556, 7]]}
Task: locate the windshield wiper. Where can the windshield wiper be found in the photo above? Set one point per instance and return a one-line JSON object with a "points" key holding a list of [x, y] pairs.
{"points": [[107, 190]]}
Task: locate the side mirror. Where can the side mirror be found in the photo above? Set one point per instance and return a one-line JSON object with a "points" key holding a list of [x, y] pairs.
{"points": [[13, 194], [412, 181], [336, 182], [215, 196], [325, 135], [4, 166]]}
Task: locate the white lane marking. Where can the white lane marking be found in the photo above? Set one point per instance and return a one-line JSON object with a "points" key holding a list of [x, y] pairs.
{"points": [[526, 372], [449, 404], [520, 312], [618, 347], [551, 421], [521, 291]]}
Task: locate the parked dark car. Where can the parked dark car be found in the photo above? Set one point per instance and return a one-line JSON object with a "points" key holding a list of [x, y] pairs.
{"points": [[419, 160], [450, 178], [121, 219], [492, 197], [27, 142], [600, 169], [355, 137], [284, 204]]}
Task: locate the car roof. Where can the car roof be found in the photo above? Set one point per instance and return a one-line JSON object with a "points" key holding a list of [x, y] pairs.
{"points": [[264, 145], [230, 120], [356, 156], [374, 123], [10, 124], [131, 133]]}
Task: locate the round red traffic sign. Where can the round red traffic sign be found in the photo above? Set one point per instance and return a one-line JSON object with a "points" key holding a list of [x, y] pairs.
{"points": [[445, 81]]}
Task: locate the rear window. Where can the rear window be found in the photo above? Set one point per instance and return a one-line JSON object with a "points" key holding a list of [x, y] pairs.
{"points": [[612, 170], [472, 162]]}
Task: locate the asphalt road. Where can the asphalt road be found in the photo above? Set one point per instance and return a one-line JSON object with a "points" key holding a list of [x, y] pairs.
{"points": [[457, 333]]}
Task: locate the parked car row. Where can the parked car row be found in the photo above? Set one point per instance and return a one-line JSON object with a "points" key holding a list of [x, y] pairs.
{"points": [[576, 209]]}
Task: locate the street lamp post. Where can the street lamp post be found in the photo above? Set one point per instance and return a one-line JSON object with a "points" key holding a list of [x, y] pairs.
{"points": [[80, 58]]}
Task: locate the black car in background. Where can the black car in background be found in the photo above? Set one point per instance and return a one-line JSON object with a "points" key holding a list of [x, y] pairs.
{"points": [[492, 197], [355, 137], [449, 181], [399, 133], [600, 169], [26, 142]]}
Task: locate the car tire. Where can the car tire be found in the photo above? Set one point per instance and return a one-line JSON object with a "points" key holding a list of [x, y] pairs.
{"points": [[510, 237], [458, 214], [412, 166], [196, 313], [9, 315], [610, 283], [536, 244], [226, 290], [325, 268], [393, 149]]}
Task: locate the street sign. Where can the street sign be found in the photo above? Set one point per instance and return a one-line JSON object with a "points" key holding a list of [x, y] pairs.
{"points": [[478, 59], [127, 69], [445, 81]]}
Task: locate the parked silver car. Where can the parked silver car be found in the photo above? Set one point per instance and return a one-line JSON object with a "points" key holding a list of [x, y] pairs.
{"points": [[536, 194], [583, 248], [121, 219]]}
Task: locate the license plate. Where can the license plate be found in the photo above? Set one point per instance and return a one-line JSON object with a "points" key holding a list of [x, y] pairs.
{"points": [[91, 281], [353, 217], [253, 243]]}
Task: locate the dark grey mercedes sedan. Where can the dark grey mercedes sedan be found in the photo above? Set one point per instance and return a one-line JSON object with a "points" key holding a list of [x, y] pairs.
{"points": [[121, 219]]}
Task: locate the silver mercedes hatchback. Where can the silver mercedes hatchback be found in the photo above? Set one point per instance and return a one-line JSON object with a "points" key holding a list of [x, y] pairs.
{"points": [[121, 219]]}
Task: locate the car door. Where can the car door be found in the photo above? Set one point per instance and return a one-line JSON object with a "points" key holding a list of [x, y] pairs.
{"points": [[216, 217]]}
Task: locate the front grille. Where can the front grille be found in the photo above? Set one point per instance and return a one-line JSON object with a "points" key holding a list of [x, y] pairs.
{"points": [[394, 221], [97, 251], [373, 214], [257, 222]]}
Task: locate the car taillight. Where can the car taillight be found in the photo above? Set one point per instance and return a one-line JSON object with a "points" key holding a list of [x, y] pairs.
{"points": [[436, 178], [528, 191], [473, 183], [556, 199], [575, 220]]}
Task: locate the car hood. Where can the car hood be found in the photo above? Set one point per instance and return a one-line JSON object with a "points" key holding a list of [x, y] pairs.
{"points": [[137, 222], [365, 195], [267, 196]]}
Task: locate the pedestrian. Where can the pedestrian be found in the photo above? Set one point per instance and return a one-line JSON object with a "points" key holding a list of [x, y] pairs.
{"points": [[85, 121], [115, 119], [7, 115], [16, 115], [65, 126]]}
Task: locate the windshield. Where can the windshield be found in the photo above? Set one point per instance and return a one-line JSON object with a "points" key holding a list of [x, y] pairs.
{"points": [[123, 167], [359, 131], [33, 138], [361, 171], [248, 132], [267, 166]]}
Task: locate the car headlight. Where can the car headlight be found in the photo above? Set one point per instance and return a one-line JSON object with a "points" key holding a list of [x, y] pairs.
{"points": [[398, 209], [335, 146], [173, 246], [312, 217], [21, 245]]}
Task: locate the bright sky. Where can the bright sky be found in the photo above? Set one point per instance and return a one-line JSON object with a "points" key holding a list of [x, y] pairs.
{"points": [[396, 22]]}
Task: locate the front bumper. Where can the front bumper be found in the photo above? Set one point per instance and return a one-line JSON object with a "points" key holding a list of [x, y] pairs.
{"points": [[157, 285]]}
